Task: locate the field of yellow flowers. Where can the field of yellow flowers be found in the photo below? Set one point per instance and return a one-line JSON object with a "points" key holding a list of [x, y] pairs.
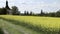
{"points": [[43, 24]]}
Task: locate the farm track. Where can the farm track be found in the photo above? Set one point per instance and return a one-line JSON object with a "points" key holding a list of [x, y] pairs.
{"points": [[5, 31], [10, 28]]}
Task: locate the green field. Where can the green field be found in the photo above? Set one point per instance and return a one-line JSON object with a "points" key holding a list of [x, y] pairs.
{"points": [[30, 24]]}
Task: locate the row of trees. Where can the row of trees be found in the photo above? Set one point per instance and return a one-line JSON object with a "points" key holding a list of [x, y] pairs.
{"points": [[15, 11], [51, 14]]}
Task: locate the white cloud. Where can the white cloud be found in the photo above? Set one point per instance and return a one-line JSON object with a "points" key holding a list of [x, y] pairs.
{"points": [[11, 0], [34, 5]]}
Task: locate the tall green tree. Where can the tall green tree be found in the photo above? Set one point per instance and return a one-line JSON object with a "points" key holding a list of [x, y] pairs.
{"points": [[25, 12], [58, 13], [3, 11], [31, 13], [15, 10]]}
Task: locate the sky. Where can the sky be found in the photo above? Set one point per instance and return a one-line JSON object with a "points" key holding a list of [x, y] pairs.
{"points": [[33, 5]]}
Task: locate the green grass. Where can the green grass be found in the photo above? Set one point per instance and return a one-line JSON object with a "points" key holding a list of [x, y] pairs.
{"points": [[5, 26], [15, 29], [47, 25], [1, 31]]}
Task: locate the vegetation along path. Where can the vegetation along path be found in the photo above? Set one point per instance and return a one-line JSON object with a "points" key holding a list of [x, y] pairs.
{"points": [[10, 28]]}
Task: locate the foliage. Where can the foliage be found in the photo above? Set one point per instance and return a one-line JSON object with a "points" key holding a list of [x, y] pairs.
{"points": [[15, 10], [1, 31], [44, 24], [3, 11], [58, 13], [12, 27]]}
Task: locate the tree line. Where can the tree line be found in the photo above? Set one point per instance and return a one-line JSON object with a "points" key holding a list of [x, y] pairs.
{"points": [[50, 14], [15, 11]]}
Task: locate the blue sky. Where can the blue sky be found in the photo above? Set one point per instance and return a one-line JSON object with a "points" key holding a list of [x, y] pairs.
{"points": [[33, 5]]}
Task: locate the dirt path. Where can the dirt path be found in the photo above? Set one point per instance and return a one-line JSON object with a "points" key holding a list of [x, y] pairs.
{"points": [[5, 31], [15, 29]]}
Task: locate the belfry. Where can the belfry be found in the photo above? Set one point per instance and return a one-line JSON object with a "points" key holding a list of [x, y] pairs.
{"points": [[7, 8]]}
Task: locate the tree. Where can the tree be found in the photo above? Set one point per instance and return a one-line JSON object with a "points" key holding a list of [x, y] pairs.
{"points": [[15, 10], [51, 14], [31, 13], [58, 13], [3, 11], [25, 12]]}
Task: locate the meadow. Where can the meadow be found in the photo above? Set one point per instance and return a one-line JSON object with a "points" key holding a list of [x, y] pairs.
{"points": [[44, 25], [9, 28]]}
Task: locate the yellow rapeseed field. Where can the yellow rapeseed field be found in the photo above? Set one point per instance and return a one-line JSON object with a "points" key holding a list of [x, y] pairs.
{"points": [[45, 22]]}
